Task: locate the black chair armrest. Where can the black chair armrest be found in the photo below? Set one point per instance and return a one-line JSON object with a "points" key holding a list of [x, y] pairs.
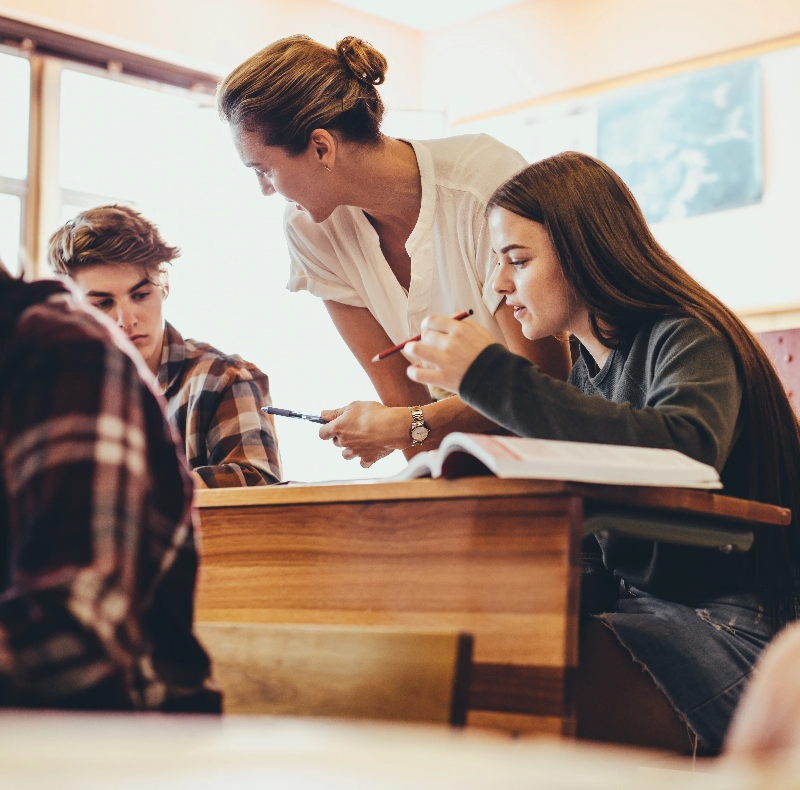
{"points": [[686, 530]]}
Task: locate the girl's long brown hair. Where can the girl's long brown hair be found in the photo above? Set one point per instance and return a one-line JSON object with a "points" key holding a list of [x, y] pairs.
{"points": [[625, 278]]}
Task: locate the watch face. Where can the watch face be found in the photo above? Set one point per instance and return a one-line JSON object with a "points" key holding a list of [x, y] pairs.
{"points": [[419, 433]]}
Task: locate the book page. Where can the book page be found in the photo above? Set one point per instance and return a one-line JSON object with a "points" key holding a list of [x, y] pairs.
{"points": [[548, 459], [523, 450], [425, 464]]}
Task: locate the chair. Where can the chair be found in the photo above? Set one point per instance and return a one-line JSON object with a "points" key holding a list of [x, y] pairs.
{"points": [[341, 671], [783, 348], [685, 530]]}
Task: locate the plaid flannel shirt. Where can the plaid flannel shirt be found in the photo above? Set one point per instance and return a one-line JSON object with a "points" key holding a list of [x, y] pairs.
{"points": [[97, 543], [214, 400]]}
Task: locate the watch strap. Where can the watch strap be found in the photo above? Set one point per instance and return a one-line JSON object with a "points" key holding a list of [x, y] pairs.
{"points": [[417, 421]]}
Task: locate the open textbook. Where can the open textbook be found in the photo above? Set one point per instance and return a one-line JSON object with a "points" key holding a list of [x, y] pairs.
{"points": [[465, 454]]}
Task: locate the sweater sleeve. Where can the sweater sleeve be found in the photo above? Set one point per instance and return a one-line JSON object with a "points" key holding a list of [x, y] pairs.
{"points": [[691, 400], [240, 441]]}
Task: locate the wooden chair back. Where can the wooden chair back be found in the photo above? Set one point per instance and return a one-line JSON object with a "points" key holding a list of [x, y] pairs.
{"points": [[341, 671]]}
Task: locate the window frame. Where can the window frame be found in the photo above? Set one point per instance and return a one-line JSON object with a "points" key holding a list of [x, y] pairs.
{"points": [[49, 52], [18, 187]]}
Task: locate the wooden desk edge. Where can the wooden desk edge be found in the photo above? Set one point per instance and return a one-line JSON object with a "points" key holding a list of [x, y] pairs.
{"points": [[462, 488], [684, 500]]}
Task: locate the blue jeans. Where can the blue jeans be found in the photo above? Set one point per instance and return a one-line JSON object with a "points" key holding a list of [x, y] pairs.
{"points": [[699, 651]]}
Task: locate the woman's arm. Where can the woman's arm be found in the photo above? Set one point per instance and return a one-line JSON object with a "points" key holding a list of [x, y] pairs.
{"points": [[365, 337], [370, 430]]}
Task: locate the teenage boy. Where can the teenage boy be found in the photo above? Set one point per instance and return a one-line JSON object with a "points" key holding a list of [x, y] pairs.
{"points": [[97, 545], [119, 260]]}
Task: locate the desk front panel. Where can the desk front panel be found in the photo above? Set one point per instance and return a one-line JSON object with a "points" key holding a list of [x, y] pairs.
{"points": [[504, 569]]}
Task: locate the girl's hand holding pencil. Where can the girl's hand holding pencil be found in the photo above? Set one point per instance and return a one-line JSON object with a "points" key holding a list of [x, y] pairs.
{"points": [[401, 346], [446, 350]]}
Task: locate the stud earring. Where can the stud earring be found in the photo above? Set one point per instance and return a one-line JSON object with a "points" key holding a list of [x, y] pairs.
{"points": [[327, 168]]}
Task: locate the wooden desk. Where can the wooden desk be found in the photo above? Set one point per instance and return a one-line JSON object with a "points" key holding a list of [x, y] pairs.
{"points": [[131, 752], [496, 558]]}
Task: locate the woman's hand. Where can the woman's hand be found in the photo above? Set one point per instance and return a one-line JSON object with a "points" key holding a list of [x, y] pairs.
{"points": [[367, 429], [446, 351]]}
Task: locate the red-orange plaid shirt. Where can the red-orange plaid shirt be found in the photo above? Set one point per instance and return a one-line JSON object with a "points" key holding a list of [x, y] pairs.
{"points": [[214, 400], [97, 543]]}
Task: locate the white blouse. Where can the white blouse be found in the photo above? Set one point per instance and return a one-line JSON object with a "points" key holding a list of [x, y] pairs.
{"points": [[452, 263]]}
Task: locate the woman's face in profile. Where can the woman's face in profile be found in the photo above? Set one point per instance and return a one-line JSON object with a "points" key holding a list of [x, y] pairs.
{"points": [[298, 178], [530, 277]]}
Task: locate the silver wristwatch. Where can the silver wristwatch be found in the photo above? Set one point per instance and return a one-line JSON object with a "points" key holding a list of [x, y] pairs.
{"points": [[419, 428]]}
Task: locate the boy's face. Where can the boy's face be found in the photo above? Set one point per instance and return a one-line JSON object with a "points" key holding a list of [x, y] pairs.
{"points": [[125, 294]]}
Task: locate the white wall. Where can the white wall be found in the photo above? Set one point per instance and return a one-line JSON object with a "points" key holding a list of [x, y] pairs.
{"points": [[747, 256], [545, 46], [216, 35]]}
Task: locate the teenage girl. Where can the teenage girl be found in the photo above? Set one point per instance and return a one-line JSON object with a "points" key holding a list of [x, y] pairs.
{"points": [[662, 363]]}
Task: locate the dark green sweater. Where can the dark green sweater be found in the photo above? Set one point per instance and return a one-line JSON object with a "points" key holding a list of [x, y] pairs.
{"points": [[674, 386]]}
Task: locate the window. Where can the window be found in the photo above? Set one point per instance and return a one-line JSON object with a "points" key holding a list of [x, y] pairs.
{"points": [[15, 88], [151, 138], [166, 153]]}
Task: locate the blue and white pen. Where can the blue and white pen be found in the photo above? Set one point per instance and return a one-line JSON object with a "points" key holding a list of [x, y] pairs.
{"points": [[295, 414]]}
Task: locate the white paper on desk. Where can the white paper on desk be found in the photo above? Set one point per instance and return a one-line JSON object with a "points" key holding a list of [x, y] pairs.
{"points": [[356, 481]]}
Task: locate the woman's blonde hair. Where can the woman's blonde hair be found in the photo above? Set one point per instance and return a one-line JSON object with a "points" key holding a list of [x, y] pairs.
{"points": [[111, 234], [296, 85]]}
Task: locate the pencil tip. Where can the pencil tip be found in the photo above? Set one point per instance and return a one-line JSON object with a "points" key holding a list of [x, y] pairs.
{"points": [[376, 358]]}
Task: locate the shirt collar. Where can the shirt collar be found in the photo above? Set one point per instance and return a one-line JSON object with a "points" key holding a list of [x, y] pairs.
{"points": [[427, 209], [173, 358]]}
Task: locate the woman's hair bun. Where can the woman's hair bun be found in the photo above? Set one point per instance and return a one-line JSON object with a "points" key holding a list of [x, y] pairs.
{"points": [[363, 60]]}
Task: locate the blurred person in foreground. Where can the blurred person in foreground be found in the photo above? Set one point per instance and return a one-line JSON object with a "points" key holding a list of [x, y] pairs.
{"points": [[97, 546], [767, 722], [119, 260]]}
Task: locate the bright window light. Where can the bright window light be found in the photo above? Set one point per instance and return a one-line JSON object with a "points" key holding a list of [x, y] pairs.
{"points": [[10, 221], [15, 91], [171, 157], [414, 124]]}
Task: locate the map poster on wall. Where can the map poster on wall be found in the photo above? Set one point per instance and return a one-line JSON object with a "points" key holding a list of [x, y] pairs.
{"points": [[688, 144]]}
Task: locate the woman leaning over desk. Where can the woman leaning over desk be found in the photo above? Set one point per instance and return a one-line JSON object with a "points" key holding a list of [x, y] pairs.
{"points": [[663, 363], [385, 231]]}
